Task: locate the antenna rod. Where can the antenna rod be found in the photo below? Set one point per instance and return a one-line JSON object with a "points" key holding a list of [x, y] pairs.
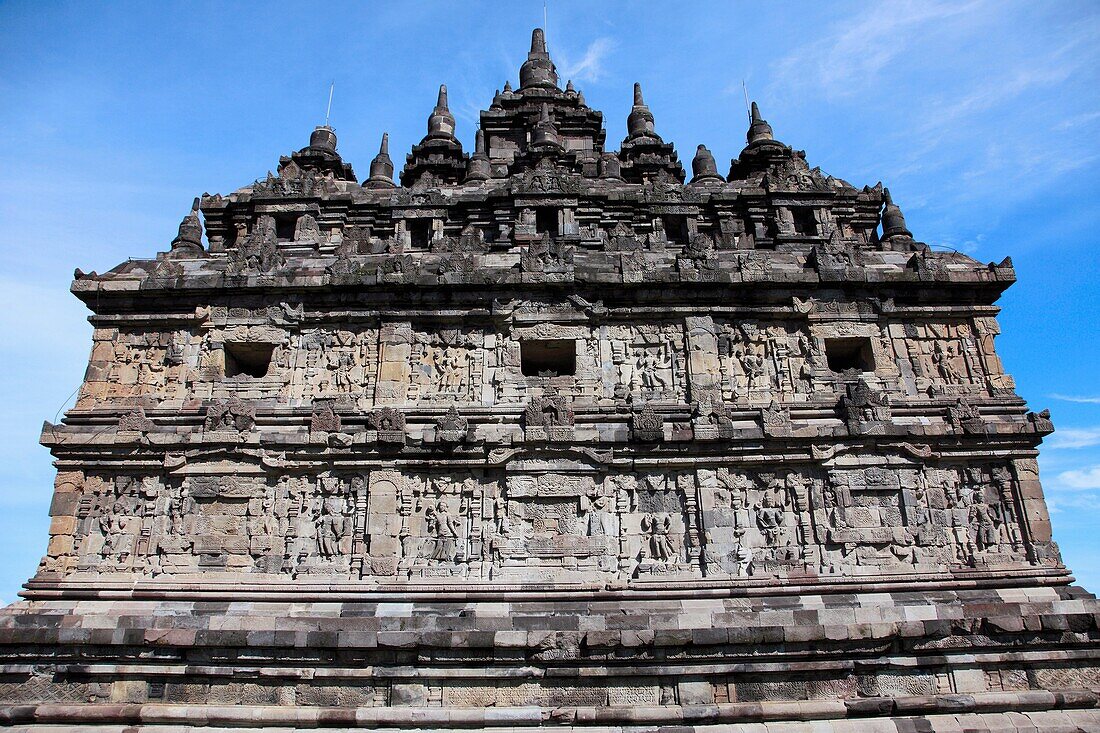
{"points": [[748, 112], [328, 111], [545, 24]]}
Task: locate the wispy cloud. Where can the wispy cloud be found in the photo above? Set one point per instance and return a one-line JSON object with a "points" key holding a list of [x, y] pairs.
{"points": [[1080, 479], [849, 59], [1078, 120], [1074, 438], [590, 66], [1083, 399]]}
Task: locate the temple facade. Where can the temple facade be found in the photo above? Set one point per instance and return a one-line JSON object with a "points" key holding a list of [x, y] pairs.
{"points": [[549, 434]]}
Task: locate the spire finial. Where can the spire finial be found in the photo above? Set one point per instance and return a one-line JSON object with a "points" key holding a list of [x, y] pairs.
{"points": [[323, 138], [381, 168], [441, 123], [538, 43], [538, 70], [546, 133], [478, 167], [893, 221], [759, 129], [639, 123], [189, 239], [703, 167]]}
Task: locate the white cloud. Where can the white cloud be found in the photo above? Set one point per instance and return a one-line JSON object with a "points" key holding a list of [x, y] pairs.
{"points": [[848, 60], [590, 66], [1080, 479], [1077, 121], [1074, 438], [1076, 398]]}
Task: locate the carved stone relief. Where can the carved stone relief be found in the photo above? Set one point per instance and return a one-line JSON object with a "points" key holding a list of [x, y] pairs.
{"points": [[765, 361]]}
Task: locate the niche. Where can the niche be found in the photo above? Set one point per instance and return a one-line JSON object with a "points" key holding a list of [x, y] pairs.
{"points": [[805, 222], [551, 358], [420, 232], [845, 354], [247, 359], [546, 221], [676, 228], [284, 227]]}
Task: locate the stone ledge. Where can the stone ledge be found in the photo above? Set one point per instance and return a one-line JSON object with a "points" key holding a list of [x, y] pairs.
{"points": [[407, 717]]}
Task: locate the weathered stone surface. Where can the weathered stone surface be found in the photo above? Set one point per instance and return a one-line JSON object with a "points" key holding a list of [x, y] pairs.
{"points": [[545, 436]]}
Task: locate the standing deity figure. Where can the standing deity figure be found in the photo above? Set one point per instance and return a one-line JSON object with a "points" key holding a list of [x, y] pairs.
{"points": [[449, 364], [443, 529], [943, 357], [960, 521], [649, 370], [986, 523], [331, 528], [503, 522], [769, 516], [600, 519], [661, 547], [342, 364], [752, 363]]}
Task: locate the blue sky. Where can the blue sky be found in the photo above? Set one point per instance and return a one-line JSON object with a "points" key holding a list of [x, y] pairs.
{"points": [[981, 117]]}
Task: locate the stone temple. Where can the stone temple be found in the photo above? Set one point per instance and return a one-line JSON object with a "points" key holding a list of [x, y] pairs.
{"points": [[549, 434]]}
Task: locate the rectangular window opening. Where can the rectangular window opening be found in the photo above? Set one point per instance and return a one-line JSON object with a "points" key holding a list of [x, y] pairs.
{"points": [[284, 227], [552, 358], [546, 221], [250, 360], [676, 228], [420, 231], [847, 354], [804, 221]]}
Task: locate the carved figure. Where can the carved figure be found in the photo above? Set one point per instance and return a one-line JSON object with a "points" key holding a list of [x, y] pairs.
{"points": [[660, 544], [332, 527], [752, 364], [443, 529], [600, 519], [649, 369], [769, 515], [986, 523], [944, 358]]}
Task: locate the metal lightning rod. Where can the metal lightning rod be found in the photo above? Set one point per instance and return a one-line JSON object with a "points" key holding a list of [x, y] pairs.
{"points": [[328, 110], [748, 111]]}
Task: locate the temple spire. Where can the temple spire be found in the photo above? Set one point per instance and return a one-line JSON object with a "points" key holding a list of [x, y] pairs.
{"points": [[538, 71], [189, 239], [441, 123], [545, 137], [639, 123], [893, 221], [381, 167], [478, 168], [703, 167], [323, 137], [759, 129]]}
